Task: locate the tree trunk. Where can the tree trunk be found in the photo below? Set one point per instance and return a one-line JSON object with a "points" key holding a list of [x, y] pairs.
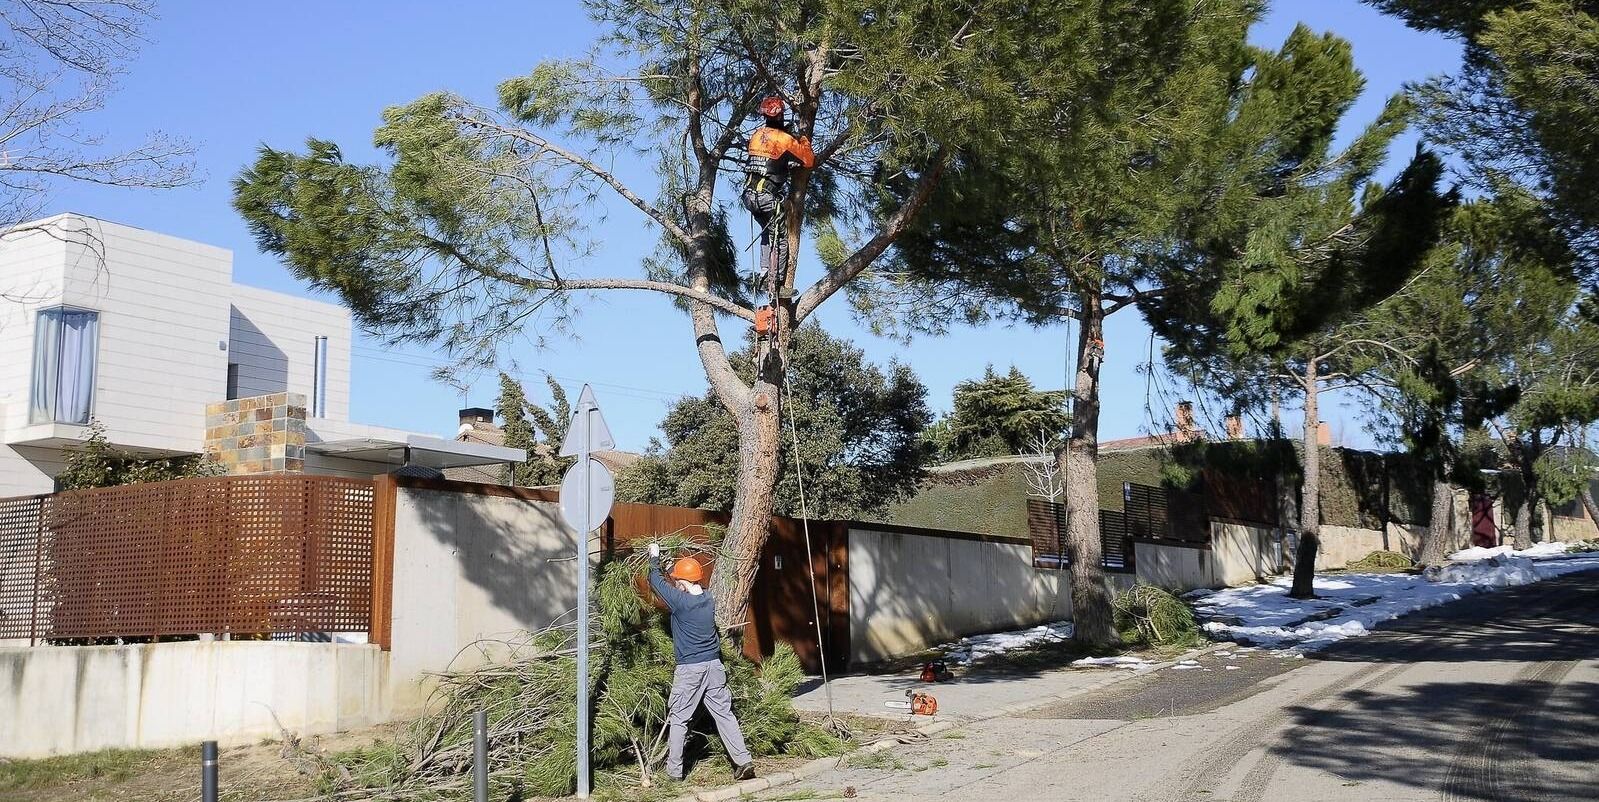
{"points": [[1440, 537], [1522, 538], [1092, 617], [760, 441], [1591, 508], [1309, 494]]}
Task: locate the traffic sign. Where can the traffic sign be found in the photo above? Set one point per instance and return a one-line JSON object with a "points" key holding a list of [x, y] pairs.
{"points": [[587, 432], [600, 495]]}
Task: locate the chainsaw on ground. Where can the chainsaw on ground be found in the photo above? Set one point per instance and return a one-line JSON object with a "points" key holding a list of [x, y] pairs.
{"points": [[920, 704]]}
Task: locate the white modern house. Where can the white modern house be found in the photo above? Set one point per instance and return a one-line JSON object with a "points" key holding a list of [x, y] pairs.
{"points": [[148, 335]]}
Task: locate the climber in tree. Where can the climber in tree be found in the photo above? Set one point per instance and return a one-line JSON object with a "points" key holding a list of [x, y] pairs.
{"points": [[773, 152]]}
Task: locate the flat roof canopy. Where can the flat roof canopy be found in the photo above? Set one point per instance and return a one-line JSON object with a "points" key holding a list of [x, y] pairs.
{"points": [[433, 452]]}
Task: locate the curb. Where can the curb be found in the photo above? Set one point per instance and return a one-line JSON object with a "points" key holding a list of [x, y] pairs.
{"points": [[822, 764]]}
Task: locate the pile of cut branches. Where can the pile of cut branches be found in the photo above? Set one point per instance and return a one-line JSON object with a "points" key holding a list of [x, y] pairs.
{"points": [[1152, 616], [528, 688]]}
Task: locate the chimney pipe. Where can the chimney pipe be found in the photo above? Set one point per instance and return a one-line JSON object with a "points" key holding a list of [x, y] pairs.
{"points": [[319, 379]]}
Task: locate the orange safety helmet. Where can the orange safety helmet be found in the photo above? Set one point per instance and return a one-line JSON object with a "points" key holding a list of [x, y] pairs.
{"points": [[688, 569], [772, 107]]}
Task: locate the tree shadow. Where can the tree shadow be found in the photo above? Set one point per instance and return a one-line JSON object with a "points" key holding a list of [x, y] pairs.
{"points": [[1473, 740], [1528, 737]]}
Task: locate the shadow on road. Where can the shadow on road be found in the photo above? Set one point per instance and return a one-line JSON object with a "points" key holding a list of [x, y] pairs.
{"points": [[1473, 740], [1529, 737]]}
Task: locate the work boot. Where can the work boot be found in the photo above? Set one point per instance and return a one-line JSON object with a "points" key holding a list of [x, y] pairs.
{"points": [[744, 772]]}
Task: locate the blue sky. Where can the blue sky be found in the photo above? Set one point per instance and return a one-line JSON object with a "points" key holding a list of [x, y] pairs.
{"points": [[230, 76]]}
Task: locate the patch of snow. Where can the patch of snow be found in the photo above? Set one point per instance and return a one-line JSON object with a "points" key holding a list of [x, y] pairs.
{"points": [[1231, 668], [1183, 667], [1495, 572], [1538, 551], [1119, 661], [1269, 618], [977, 647]]}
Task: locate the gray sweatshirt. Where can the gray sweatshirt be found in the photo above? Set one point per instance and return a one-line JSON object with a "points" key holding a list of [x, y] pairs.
{"points": [[693, 621]]}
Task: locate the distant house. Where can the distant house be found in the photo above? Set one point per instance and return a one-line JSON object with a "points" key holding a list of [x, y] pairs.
{"points": [[148, 335]]}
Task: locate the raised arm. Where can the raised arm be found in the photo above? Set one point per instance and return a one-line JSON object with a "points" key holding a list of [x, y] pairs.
{"points": [[664, 588]]}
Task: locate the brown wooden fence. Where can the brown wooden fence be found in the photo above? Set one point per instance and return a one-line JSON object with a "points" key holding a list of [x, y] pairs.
{"points": [[239, 555]]}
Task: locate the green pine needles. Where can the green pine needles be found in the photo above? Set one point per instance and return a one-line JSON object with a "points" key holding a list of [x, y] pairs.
{"points": [[1154, 617], [528, 690]]}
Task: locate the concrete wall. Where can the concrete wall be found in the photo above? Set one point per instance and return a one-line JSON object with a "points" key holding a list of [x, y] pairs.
{"points": [[60, 700], [1239, 554], [469, 567], [1341, 545], [909, 591], [1568, 529], [1243, 553]]}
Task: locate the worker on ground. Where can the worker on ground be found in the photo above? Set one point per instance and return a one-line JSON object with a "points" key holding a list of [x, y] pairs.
{"points": [[773, 153], [700, 674]]}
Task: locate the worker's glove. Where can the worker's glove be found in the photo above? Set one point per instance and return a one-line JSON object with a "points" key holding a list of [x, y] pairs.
{"points": [[655, 549]]}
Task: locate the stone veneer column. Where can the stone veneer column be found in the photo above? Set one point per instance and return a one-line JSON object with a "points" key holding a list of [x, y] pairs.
{"points": [[263, 434]]}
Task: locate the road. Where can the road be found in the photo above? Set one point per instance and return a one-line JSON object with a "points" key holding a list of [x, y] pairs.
{"points": [[1495, 697]]}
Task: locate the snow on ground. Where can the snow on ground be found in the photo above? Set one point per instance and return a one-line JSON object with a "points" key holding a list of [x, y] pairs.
{"points": [[977, 647], [1537, 551], [1119, 661], [1350, 605]]}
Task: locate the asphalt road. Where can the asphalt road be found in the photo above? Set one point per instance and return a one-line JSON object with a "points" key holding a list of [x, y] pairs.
{"points": [[1495, 697]]}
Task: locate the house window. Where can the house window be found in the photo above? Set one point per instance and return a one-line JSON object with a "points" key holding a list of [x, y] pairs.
{"points": [[233, 380], [64, 346]]}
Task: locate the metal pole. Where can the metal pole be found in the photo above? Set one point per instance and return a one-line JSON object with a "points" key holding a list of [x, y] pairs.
{"points": [[480, 756], [583, 614], [208, 771]]}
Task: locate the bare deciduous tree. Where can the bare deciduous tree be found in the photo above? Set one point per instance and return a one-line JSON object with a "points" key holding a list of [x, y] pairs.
{"points": [[58, 63]]}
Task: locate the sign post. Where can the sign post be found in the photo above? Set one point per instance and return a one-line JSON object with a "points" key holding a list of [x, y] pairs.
{"points": [[587, 492]]}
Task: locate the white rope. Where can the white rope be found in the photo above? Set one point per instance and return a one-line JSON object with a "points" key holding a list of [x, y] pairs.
{"points": [[805, 525]]}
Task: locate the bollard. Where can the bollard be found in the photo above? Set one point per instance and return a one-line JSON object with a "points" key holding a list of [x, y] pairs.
{"points": [[480, 756], [208, 771]]}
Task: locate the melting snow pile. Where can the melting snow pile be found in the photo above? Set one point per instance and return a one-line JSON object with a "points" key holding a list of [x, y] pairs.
{"points": [[1119, 661], [1537, 551], [977, 647], [1350, 605]]}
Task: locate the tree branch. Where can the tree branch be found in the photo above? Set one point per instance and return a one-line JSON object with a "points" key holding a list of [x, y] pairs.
{"points": [[836, 278], [584, 164]]}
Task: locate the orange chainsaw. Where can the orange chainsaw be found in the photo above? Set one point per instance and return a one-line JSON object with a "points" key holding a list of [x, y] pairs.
{"points": [[920, 704]]}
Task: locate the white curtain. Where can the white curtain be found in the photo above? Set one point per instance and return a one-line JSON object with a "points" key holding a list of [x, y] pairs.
{"points": [[64, 347], [75, 390], [46, 361]]}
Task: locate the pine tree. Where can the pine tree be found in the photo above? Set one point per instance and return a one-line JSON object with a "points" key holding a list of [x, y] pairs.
{"points": [[1000, 415], [458, 238], [859, 430], [1196, 135], [535, 429], [1524, 109]]}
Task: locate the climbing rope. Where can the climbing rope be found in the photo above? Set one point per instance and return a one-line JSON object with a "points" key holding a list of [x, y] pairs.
{"points": [[834, 724]]}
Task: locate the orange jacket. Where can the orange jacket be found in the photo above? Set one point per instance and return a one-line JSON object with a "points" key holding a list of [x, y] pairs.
{"points": [[775, 143]]}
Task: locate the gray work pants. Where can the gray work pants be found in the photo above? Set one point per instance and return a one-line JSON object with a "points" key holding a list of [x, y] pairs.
{"points": [[690, 684]]}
